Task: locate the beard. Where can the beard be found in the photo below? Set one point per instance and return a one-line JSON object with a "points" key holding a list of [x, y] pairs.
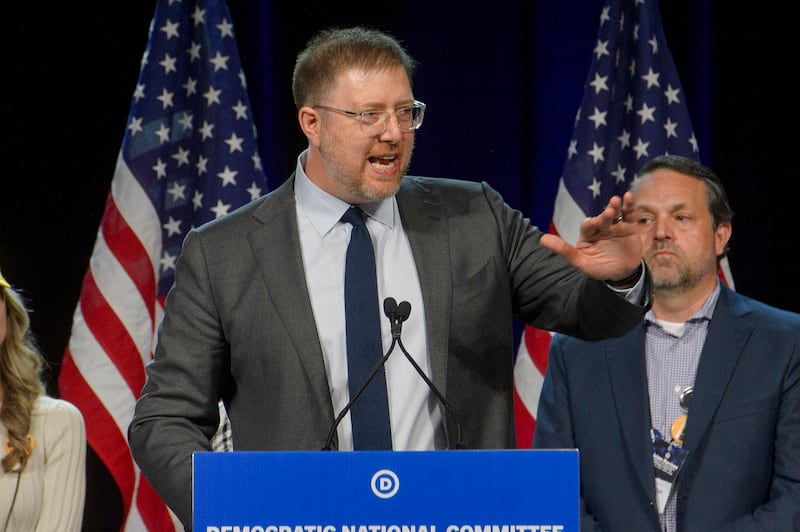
{"points": [[675, 273], [353, 173]]}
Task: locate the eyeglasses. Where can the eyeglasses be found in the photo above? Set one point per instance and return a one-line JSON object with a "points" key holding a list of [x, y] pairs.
{"points": [[376, 122]]}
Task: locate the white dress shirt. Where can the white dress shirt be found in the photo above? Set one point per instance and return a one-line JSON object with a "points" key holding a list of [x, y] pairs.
{"points": [[416, 416]]}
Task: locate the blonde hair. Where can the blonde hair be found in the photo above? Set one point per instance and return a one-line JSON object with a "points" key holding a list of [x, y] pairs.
{"points": [[21, 366]]}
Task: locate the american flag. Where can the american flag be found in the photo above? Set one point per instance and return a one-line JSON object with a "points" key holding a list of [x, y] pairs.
{"points": [[188, 155], [633, 109]]}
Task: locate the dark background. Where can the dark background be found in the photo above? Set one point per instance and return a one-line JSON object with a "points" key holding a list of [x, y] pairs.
{"points": [[502, 80]]}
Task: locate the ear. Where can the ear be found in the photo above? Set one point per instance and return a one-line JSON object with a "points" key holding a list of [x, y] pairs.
{"points": [[721, 237], [309, 124]]}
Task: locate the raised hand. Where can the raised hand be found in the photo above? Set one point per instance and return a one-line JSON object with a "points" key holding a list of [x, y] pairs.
{"points": [[609, 246]]}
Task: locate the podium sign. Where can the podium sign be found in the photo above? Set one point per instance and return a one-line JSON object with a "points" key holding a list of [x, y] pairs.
{"points": [[385, 491]]}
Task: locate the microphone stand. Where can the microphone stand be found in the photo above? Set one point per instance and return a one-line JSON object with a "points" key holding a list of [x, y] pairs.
{"points": [[397, 314], [329, 441]]}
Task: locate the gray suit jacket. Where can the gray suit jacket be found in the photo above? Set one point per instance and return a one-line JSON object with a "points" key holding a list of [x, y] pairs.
{"points": [[239, 325], [742, 472]]}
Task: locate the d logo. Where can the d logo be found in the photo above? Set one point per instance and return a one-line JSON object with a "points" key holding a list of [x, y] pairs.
{"points": [[385, 484]]}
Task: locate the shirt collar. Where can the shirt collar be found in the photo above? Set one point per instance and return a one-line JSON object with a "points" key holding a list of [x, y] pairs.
{"points": [[325, 210], [704, 313]]}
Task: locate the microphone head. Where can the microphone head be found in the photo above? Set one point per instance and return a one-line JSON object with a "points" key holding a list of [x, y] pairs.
{"points": [[403, 310], [389, 307]]}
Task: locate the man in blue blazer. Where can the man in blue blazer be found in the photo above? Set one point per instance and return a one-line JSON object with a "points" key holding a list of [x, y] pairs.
{"points": [[256, 316], [691, 421]]}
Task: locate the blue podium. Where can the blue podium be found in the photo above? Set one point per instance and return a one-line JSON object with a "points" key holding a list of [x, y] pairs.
{"points": [[385, 491]]}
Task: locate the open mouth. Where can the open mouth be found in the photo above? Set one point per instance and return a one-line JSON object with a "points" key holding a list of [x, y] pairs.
{"points": [[383, 163]]}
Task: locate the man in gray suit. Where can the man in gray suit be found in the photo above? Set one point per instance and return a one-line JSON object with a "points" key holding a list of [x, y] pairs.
{"points": [[256, 315], [690, 422]]}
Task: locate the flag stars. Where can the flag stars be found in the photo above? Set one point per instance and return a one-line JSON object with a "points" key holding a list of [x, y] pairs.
{"points": [[220, 209], [572, 149], [624, 138], [172, 227], [672, 94], [163, 133], [619, 174], [199, 16], [653, 44], [165, 98], [604, 15], [202, 165], [168, 63], [254, 191], [646, 113], [693, 142], [182, 156], [577, 117], [194, 52], [669, 127], [597, 153], [228, 176], [598, 117], [135, 126], [197, 200], [212, 96], [641, 149], [225, 28], [219, 61], [190, 86], [170, 29], [628, 104], [594, 187], [160, 168], [240, 110], [601, 49], [234, 142], [256, 161], [186, 121], [651, 78], [177, 191], [599, 83], [206, 132], [138, 94], [167, 262]]}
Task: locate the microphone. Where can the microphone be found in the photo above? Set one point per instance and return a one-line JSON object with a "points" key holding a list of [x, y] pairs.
{"points": [[390, 308], [397, 314]]}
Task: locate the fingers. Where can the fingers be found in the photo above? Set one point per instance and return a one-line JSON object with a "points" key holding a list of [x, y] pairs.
{"points": [[618, 208]]}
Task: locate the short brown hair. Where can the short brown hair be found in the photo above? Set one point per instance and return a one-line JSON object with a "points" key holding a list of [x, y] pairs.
{"points": [[332, 51]]}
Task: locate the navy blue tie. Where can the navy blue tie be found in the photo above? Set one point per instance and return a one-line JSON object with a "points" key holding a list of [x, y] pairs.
{"points": [[369, 414]]}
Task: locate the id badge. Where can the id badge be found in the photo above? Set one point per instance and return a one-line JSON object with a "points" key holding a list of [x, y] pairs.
{"points": [[667, 460]]}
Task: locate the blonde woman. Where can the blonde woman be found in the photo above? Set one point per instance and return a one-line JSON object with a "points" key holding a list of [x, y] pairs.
{"points": [[43, 457]]}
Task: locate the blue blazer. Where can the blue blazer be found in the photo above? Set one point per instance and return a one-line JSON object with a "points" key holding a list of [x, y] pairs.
{"points": [[742, 472]]}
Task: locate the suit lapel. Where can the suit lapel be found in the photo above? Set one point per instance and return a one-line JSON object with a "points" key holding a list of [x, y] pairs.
{"points": [[276, 249], [727, 335], [420, 212], [628, 375]]}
